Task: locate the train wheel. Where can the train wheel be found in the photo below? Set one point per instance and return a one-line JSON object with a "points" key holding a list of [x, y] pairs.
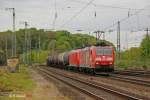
{"points": [[93, 71], [78, 69], [67, 68]]}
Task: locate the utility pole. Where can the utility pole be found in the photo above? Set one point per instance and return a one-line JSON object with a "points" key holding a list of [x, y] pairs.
{"points": [[147, 30], [126, 41], [37, 52], [13, 35], [39, 48], [25, 39], [6, 52], [15, 41], [25, 58], [118, 41], [29, 48], [147, 44]]}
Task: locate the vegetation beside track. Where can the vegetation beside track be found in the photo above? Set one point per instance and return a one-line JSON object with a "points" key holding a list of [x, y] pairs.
{"points": [[136, 57], [20, 81], [36, 56]]}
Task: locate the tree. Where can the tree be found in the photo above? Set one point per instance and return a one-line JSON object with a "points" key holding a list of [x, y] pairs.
{"points": [[104, 43], [145, 46]]}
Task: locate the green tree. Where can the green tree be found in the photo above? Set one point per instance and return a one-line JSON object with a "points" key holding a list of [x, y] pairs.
{"points": [[145, 46]]}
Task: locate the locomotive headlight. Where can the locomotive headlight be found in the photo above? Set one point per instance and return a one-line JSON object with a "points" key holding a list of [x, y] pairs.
{"points": [[98, 59], [109, 59], [97, 63]]}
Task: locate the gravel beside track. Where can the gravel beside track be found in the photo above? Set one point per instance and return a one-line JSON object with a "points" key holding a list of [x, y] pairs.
{"points": [[105, 93]]}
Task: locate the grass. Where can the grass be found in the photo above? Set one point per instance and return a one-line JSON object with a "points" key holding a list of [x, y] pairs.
{"points": [[16, 82]]}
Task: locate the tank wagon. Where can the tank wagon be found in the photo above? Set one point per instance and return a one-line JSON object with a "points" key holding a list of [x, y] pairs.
{"points": [[90, 59]]}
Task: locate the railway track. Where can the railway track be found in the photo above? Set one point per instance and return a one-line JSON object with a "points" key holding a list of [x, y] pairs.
{"points": [[140, 73], [132, 76], [97, 91], [127, 76], [133, 80], [48, 74]]}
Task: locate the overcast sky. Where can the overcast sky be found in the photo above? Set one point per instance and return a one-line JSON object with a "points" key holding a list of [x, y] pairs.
{"points": [[40, 14]]}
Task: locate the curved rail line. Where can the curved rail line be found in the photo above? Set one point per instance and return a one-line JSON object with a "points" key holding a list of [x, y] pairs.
{"points": [[88, 84]]}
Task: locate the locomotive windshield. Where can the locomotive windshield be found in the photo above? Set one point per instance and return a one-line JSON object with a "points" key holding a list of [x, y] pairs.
{"points": [[103, 51]]}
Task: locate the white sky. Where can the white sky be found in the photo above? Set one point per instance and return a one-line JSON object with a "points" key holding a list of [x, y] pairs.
{"points": [[40, 14]]}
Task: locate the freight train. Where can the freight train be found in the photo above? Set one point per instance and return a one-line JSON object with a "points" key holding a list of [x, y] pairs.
{"points": [[90, 59]]}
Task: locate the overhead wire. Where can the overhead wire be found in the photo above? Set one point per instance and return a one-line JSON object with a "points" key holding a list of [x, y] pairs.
{"points": [[76, 14], [105, 6], [124, 19], [96, 5]]}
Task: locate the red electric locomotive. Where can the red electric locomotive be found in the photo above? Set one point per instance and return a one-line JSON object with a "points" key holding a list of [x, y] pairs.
{"points": [[96, 58], [74, 58], [102, 58]]}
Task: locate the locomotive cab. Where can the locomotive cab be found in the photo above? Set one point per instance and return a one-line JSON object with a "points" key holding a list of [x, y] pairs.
{"points": [[104, 58]]}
